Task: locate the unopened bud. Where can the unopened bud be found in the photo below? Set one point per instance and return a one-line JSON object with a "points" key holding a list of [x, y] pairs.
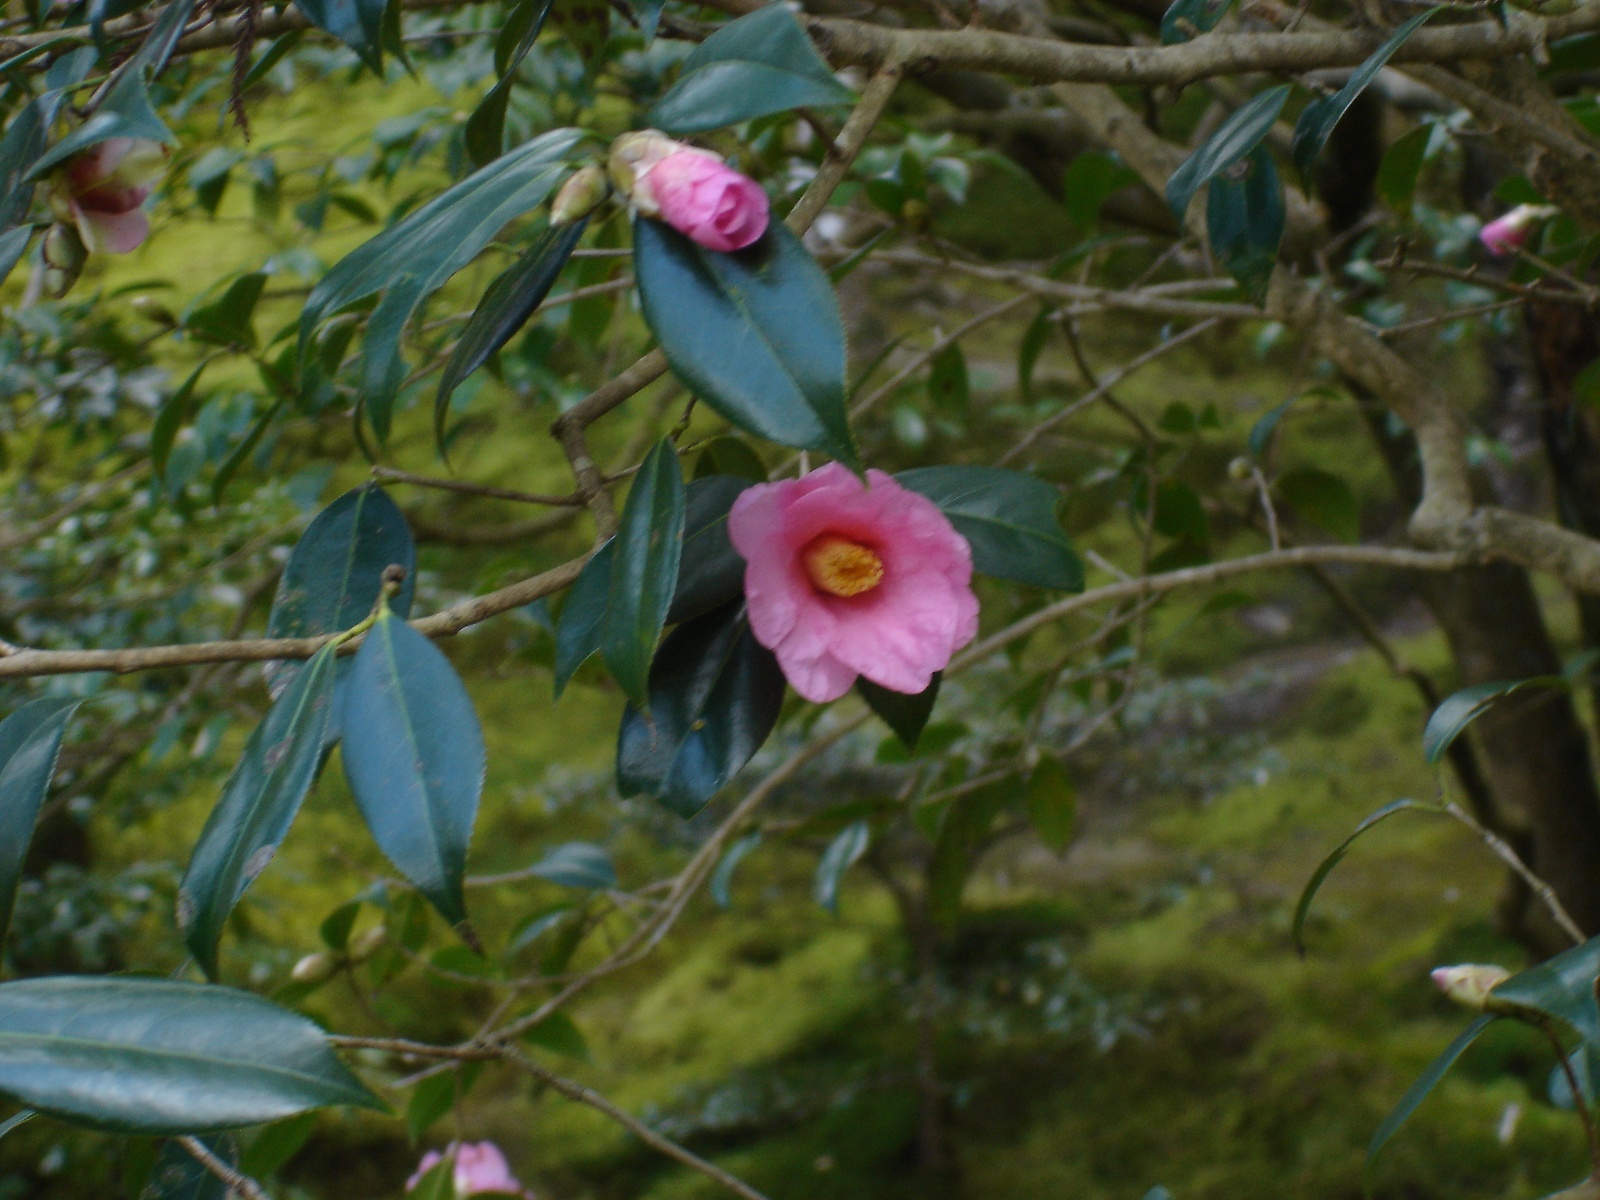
{"points": [[631, 158], [579, 196], [1241, 469], [916, 214], [64, 249], [315, 968], [152, 309], [1469, 984], [365, 944]]}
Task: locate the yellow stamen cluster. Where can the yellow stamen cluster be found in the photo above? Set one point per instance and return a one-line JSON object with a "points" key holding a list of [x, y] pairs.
{"points": [[841, 567]]}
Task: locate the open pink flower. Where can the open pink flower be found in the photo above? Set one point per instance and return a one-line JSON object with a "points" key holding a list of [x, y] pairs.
{"points": [[1510, 232], [479, 1168], [703, 198], [102, 190], [844, 579]]}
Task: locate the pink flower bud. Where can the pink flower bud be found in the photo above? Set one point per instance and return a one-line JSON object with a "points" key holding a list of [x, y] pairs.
{"points": [[1509, 233], [479, 1167], [846, 579], [1469, 984], [705, 199], [102, 189]]}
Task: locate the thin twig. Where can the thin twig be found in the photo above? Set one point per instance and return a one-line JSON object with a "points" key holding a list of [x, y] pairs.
{"points": [[236, 1181], [1512, 859]]}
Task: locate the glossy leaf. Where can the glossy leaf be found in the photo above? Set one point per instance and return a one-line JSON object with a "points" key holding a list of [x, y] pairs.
{"points": [[715, 695], [1559, 989], [721, 885], [505, 308], [414, 756], [1459, 709], [484, 134], [757, 335], [1324, 499], [1008, 518], [1052, 800], [644, 570], [259, 803], [904, 713], [1325, 868], [335, 573], [760, 64], [178, 1175], [356, 23], [578, 630], [841, 854], [124, 113], [1402, 164], [1426, 1082], [710, 570], [1233, 140], [30, 743], [1186, 18], [1317, 120], [159, 1056], [577, 865], [1245, 217]]}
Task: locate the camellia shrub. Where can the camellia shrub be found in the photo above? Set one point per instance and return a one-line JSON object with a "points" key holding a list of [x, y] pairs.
{"points": [[614, 257]]}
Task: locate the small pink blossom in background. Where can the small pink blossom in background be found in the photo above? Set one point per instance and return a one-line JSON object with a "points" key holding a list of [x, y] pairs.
{"points": [[1510, 232], [843, 579], [703, 198], [103, 188], [479, 1168]]}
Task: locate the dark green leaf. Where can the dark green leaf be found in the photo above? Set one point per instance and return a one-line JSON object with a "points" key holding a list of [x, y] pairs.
{"points": [[485, 129], [1028, 349], [504, 309], [159, 43], [760, 64], [271, 1149], [710, 570], [258, 805], [414, 756], [437, 1182], [124, 113], [583, 615], [1091, 178], [1245, 216], [1180, 512], [1266, 425], [227, 320], [1052, 803], [1459, 709], [275, 53], [174, 412], [1185, 18], [1559, 989], [961, 836], [20, 148], [756, 334], [1315, 126], [586, 24], [1426, 1082], [30, 741], [159, 1056], [721, 883], [13, 244], [715, 695], [577, 865], [1326, 866], [838, 858], [241, 452], [948, 388], [904, 713], [356, 23], [730, 456], [559, 1034], [1323, 499], [437, 1095], [336, 926], [1233, 140], [1008, 517], [178, 1175], [644, 570], [335, 573], [1397, 174]]}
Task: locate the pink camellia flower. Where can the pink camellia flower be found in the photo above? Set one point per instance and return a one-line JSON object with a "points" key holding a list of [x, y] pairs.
{"points": [[845, 579], [1511, 232], [102, 189], [705, 199], [479, 1168]]}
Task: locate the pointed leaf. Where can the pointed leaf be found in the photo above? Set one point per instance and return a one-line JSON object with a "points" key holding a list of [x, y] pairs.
{"points": [[1245, 216], [1459, 709], [1188, 17], [414, 756], [1324, 499], [30, 742], [644, 570], [485, 129], [173, 413], [1008, 518], [838, 858], [721, 883], [961, 835], [259, 803], [1402, 163], [730, 456], [13, 244], [20, 148], [577, 865], [710, 570], [760, 64], [715, 695], [583, 615], [1233, 140], [905, 714], [159, 1056], [504, 309], [356, 23], [1326, 866], [756, 334], [124, 113], [1315, 126], [227, 320], [1426, 1082], [1560, 988]]}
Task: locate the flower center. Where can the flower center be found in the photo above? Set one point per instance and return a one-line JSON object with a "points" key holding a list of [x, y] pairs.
{"points": [[840, 567]]}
